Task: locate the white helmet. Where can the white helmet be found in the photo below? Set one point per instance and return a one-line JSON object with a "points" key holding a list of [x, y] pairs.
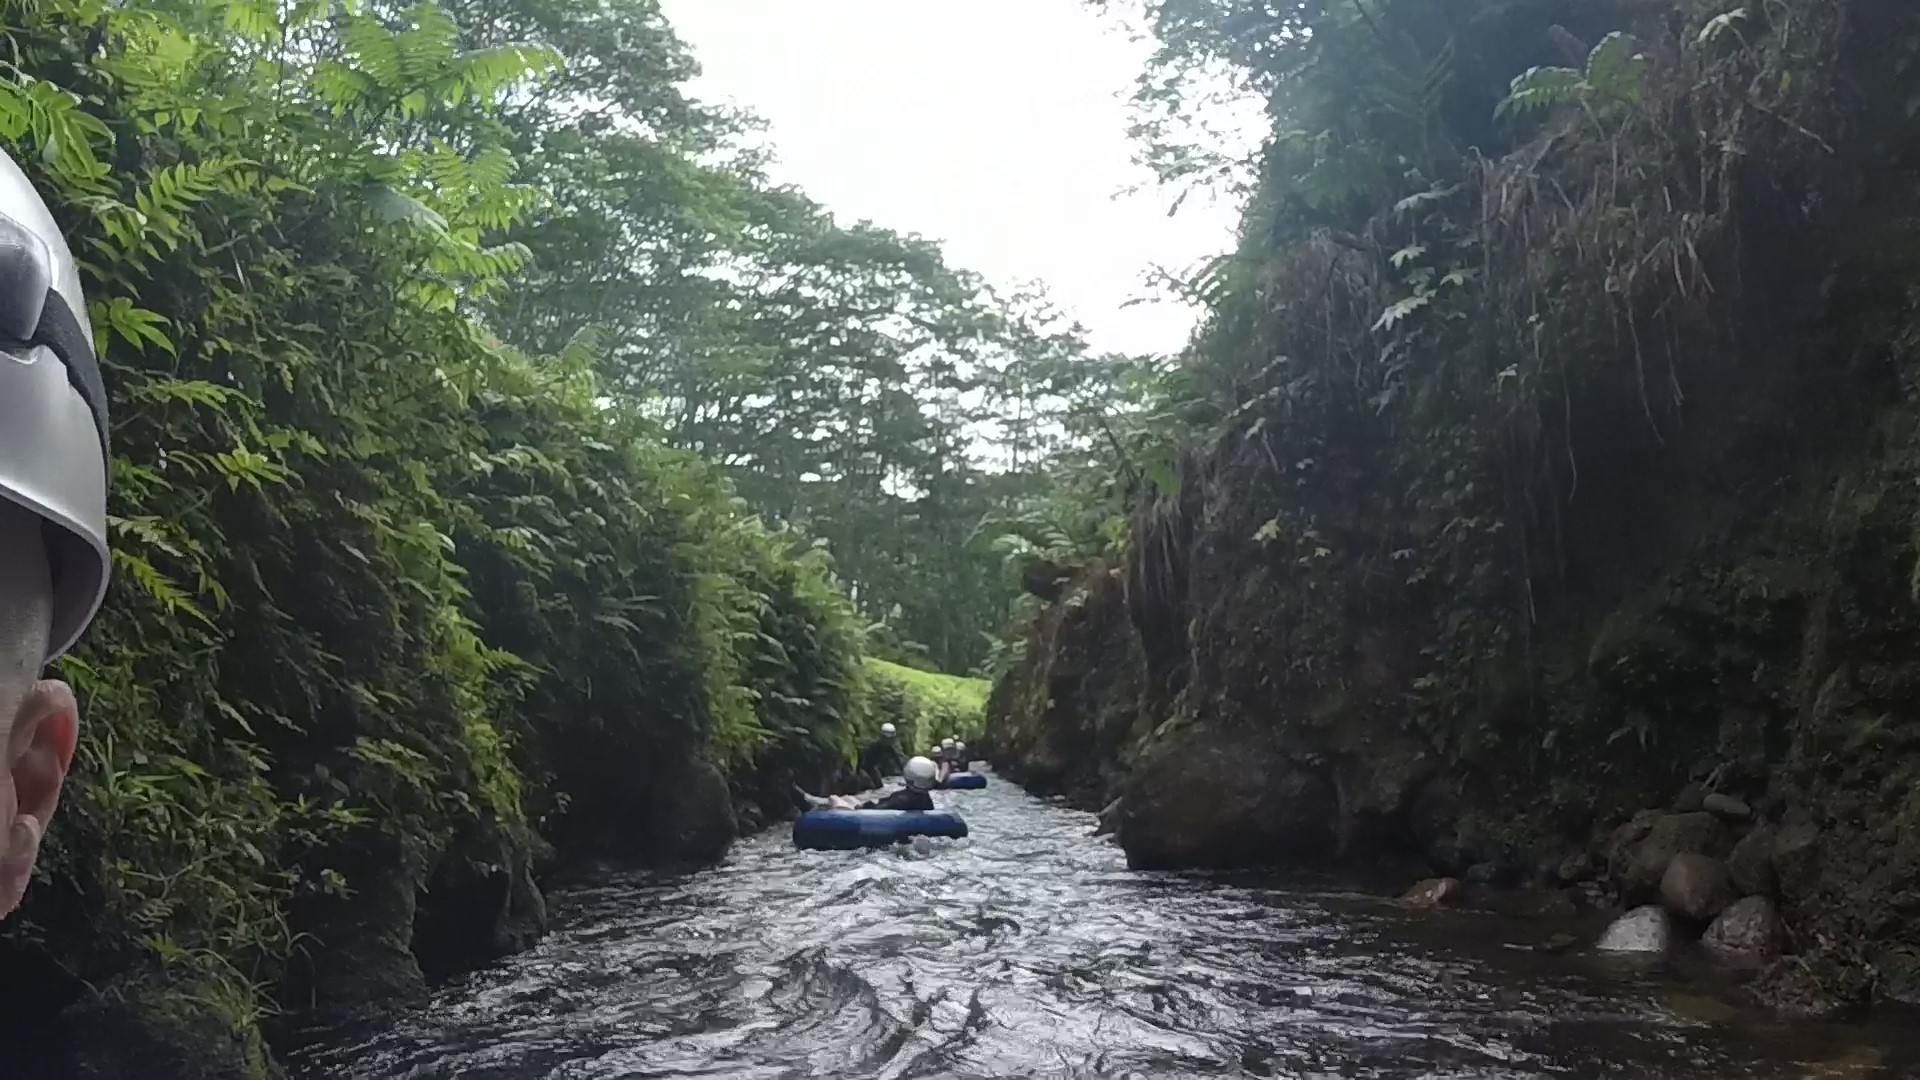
{"points": [[53, 404], [919, 772], [886, 729], [946, 744]]}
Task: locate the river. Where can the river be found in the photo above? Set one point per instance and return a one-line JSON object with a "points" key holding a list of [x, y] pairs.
{"points": [[1031, 950]]}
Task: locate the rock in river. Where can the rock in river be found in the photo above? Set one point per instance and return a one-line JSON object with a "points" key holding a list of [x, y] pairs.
{"points": [[1224, 798], [1696, 886], [692, 820], [1750, 931], [1642, 930], [1435, 892]]}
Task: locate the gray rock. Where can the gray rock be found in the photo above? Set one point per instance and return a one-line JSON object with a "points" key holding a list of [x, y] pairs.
{"points": [[1726, 806], [1435, 892], [1219, 798], [1751, 864], [1691, 800], [1639, 867], [692, 822], [1645, 929], [1573, 869], [1109, 819], [1696, 886], [1749, 931]]}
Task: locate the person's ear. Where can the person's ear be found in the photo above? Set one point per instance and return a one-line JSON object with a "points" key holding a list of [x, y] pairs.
{"points": [[39, 752]]}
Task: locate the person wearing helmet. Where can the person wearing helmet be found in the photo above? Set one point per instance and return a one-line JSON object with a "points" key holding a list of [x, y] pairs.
{"points": [[943, 759], [962, 761], [920, 775], [53, 515], [880, 758]]}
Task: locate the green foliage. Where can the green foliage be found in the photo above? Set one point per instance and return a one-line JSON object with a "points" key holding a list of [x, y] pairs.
{"points": [[1490, 244], [925, 706], [448, 500], [1615, 78]]}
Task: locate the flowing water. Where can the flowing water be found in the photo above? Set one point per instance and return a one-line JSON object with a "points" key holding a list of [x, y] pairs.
{"points": [[1031, 950]]}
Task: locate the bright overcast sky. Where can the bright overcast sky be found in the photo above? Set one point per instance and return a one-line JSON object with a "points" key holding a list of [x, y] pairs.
{"points": [[998, 127]]}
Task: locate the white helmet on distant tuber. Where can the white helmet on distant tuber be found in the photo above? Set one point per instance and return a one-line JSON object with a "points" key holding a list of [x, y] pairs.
{"points": [[920, 772], [887, 730], [53, 405], [946, 744]]}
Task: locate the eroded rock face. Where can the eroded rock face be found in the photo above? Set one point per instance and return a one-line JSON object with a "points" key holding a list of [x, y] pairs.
{"points": [[481, 904], [1216, 799], [692, 820], [1645, 929], [1696, 886], [1749, 931]]}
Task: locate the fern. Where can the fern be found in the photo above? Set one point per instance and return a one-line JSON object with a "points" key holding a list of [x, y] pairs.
{"points": [[1541, 88]]}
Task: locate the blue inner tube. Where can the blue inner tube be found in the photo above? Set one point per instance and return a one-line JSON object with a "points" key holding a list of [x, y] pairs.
{"points": [[966, 781], [841, 830]]}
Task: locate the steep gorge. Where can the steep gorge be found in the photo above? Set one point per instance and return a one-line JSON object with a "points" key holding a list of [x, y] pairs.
{"points": [[1559, 479]]}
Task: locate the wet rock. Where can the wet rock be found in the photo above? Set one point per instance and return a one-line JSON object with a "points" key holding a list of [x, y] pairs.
{"points": [[1696, 886], [1751, 864], [1691, 799], [1749, 931], [1640, 865], [1493, 872], [1815, 987], [481, 904], [1726, 806], [1645, 929], [1435, 892], [1109, 819], [692, 820], [1556, 904], [1217, 799], [1573, 869], [1796, 861]]}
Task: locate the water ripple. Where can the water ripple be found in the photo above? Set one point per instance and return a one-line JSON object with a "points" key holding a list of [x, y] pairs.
{"points": [[1030, 950]]}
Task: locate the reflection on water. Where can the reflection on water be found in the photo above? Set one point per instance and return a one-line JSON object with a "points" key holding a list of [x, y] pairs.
{"points": [[1031, 950]]}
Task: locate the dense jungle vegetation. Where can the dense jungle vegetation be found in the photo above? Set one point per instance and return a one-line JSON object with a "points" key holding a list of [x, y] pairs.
{"points": [[507, 473]]}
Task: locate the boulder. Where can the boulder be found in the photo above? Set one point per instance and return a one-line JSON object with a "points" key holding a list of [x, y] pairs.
{"points": [[480, 904], [1696, 886], [1796, 861], [1726, 806], [1751, 864], [1212, 798], [1639, 865], [1576, 867], [1435, 892], [692, 820], [1691, 799], [1643, 930], [1749, 931]]}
